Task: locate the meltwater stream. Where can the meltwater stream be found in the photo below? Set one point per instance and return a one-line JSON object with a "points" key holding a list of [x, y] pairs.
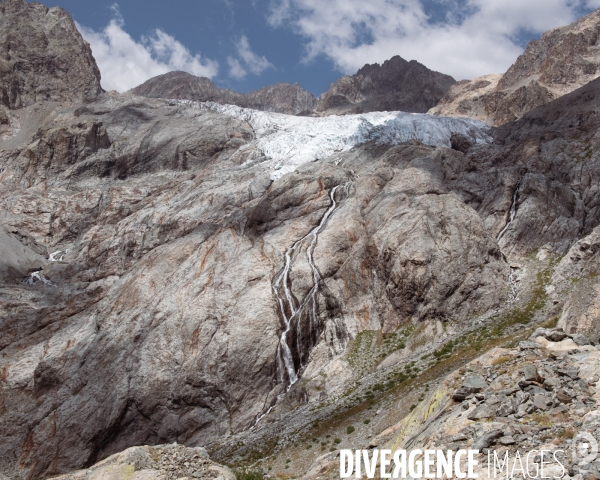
{"points": [[513, 212], [512, 278], [301, 321]]}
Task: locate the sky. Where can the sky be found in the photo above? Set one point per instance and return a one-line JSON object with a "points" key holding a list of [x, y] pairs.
{"points": [[246, 44]]}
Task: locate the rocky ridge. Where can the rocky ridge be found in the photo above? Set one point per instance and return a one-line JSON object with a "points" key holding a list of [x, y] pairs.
{"points": [[396, 85], [563, 60], [280, 98]]}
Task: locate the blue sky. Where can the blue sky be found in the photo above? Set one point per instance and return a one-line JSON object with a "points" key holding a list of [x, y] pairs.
{"points": [[246, 44]]}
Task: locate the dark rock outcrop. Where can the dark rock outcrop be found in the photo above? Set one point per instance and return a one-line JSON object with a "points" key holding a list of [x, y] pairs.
{"points": [[280, 98], [395, 85], [43, 57]]}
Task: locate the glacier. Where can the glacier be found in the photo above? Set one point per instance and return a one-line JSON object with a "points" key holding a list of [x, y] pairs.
{"points": [[290, 141]]}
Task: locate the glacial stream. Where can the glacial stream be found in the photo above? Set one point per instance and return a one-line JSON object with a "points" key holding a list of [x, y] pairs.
{"points": [[512, 212], [512, 277], [300, 318]]}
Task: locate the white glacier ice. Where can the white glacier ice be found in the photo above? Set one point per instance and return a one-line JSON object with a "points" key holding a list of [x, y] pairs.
{"points": [[290, 141]]}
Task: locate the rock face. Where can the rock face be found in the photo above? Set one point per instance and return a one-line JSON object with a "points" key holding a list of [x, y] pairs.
{"points": [[466, 98], [563, 60], [173, 237], [281, 98], [159, 284], [43, 57], [581, 265], [530, 164], [394, 85]]}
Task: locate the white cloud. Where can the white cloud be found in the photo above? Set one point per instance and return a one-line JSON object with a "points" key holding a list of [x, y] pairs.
{"points": [[476, 38], [251, 61], [125, 63], [235, 68]]}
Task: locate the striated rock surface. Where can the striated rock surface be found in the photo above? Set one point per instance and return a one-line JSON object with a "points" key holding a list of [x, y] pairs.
{"points": [[160, 320], [563, 60], [160, 283], [395, 85], [551, 153], [280, 98], [170, 238], [43, 57], [580, 267], [466, 99]]}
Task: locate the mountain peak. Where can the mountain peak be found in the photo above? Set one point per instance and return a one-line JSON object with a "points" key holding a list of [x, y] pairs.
{"points": [[396, 84], [60, 65], [563, 60]]}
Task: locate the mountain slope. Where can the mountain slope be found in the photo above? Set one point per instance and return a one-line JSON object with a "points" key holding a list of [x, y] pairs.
{"points": [[166, 284], [563, 60], [280, 98]]}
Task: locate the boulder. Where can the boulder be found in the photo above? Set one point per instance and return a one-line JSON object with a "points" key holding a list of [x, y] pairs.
{"points": [[487, 439], [530, 373], [480, 412]]}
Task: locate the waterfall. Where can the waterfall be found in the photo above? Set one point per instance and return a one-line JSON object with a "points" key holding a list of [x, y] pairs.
{"points": [[514, 289], [512, 281], [300, 318], [58, 256], [37, 277], [512, 212]]}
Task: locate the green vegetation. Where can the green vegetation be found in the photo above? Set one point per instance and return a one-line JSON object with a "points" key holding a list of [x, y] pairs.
{"points": [[542, 419], [246, 474], [350, 429], [369, 347], [501, 359]]}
